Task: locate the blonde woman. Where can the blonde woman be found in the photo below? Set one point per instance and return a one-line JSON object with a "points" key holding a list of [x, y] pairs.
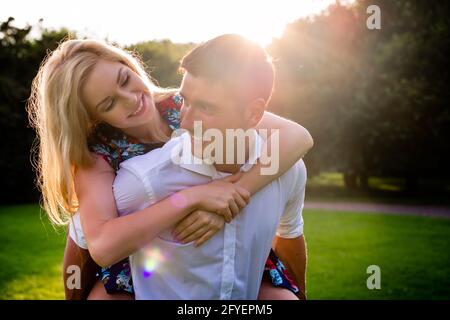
{"points": [[82, 141]]}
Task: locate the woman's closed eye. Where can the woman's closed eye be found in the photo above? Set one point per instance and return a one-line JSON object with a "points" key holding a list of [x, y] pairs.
{"points": [[112, 102], [125, 81], [110, 105]]}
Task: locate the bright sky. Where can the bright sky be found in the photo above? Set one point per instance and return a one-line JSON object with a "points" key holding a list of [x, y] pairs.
{"points": [[131, 21]]}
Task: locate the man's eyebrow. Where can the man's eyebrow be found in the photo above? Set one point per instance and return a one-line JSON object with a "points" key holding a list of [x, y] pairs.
{"points": [[209, 104], [117, 81]]}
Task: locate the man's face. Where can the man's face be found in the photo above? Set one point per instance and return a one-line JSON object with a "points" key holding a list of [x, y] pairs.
{"points": [[212, 104]]}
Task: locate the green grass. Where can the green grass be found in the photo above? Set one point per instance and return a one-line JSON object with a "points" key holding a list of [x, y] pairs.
{"points": [[329, 187], [31, 254], [412, 252]]}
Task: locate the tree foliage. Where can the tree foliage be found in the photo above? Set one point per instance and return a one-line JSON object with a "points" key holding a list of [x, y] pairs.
{"points": [[376, 101]]}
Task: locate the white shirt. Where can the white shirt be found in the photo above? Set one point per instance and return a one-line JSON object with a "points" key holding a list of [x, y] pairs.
{"points": [[228, 266], [76, 231]]}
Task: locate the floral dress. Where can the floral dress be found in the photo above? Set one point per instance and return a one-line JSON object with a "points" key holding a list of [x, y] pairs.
{"points": [[115, 147]]}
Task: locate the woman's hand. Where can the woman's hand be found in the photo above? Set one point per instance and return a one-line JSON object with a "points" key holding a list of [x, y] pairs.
{"points": [[199, 226], [222, 197]]}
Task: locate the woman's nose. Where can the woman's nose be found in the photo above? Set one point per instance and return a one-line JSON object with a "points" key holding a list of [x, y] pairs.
{"points": [[130, 99]]}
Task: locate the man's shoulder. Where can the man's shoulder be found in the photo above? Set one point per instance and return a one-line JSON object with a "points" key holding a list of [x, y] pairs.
{"points": [[152, 160], [295, 177], [300, 169]]}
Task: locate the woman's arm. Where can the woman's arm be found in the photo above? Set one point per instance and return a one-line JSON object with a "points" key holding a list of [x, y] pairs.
{"points": [[294, 142], [111, 238]]}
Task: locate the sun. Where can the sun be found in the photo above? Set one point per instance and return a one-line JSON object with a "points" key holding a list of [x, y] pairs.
{"points": [[177, 20], [257, 20]]}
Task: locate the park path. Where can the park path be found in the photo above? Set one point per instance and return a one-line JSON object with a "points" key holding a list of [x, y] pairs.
{"points": [[428, 211]]}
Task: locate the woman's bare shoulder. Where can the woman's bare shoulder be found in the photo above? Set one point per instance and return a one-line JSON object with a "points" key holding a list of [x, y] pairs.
{"points": [[98, 171]]}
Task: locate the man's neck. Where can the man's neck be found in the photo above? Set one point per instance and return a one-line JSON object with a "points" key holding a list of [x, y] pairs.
{"points": [[230, 168], [198, 146], [233, 167], [222, 167]]}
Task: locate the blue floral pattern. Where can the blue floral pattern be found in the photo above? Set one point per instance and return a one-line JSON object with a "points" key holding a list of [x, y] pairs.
{"points": [[278, 273]]}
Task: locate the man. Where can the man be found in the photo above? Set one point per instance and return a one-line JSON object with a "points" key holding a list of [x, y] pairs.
{"points": [[227, 84]]}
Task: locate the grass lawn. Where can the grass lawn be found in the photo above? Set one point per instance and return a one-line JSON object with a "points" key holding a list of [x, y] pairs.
{"points": [[329, 187], [412, 252]]}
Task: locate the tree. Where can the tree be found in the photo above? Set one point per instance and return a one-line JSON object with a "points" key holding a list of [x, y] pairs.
{"points": [[20, 57], [162, 59], [375, 100]]}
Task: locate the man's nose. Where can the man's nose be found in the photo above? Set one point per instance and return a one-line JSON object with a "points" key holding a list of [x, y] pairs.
{"points": [[187, 118]]}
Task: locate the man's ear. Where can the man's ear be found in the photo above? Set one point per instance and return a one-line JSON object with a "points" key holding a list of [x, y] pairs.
{"points": [[256, 110]]}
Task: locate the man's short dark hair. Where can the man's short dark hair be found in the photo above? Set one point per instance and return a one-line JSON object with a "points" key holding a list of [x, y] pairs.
{"points": [[234, 61]]}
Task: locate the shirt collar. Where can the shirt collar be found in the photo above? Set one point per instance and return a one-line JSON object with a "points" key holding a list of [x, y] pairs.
{"points": [[190, 162]]}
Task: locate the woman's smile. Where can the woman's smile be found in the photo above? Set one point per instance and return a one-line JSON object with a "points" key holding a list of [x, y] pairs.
{"points": [[141, 108]]}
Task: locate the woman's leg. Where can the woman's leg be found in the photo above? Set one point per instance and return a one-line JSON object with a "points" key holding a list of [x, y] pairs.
{"points": [[98, 292], [90, 286], [269, 292], [74, 256]]}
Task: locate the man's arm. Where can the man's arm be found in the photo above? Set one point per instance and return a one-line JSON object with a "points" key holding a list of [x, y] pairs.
{"points": [[289, 243], [292, 253]]}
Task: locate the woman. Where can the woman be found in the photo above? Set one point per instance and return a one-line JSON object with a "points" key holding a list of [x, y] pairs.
{"points": [[77, 136]]}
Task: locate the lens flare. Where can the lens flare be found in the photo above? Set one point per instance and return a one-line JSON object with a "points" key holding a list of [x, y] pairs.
{"points": [[178, 200], [153, 258]]}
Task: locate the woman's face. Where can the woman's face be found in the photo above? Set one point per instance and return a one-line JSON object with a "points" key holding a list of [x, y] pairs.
{"points": [[115, 94]]}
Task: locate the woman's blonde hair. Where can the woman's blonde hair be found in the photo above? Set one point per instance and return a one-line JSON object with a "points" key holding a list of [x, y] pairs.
{"points": [[62, 122]]}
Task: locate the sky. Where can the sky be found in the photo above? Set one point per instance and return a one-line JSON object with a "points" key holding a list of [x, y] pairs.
{"points": [[132, 21]]}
